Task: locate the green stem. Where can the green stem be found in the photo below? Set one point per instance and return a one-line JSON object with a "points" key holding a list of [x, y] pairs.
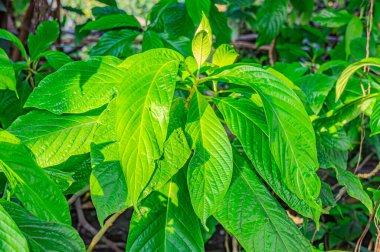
{"points": [[102, 231]]}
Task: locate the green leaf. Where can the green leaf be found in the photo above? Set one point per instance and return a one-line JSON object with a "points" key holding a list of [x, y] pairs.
{"points": [[167, 221], [54, 138], [108, 2], [354, 30], [345, 112], [11, 238], [332, 18], [116, 43], [46, 33], [304, 8], [219, 25], [354, 187], [108, 186], [251, 214], [79, 169], [56, 59], [151, 40], [181, 44], [4, 34], [28, 180], [197, 9], [143, 114], [247, 121], [176, 149], [7, 74], [271, 16], [210, 169], [224, 55], [202, 42], [111, 22], [350, 70], [42, 235], [291, 135], [316, 88], [78, 87], [63, 179], [375, 118]]}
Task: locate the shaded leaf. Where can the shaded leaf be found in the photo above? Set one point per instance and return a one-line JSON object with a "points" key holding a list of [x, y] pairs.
{"points": [[46, 33], [111, 22]]}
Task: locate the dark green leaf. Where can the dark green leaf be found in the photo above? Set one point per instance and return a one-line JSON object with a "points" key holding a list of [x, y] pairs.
{"points": [[46, 33], [111, 22]]}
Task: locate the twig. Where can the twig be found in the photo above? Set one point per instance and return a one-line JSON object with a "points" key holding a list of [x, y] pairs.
{"points": [[226, 245], [78, 194], [370, 174], [272, 52], [84, 223], [360, 240], [102, 231]]}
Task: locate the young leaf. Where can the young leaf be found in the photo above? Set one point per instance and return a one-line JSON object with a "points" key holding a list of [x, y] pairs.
{"points": [[78, 87], [197, 8], [116, 43], [350, 70], [7, 73], [354, 187], [27, 180], [254, 217], [4, 34], [54, 138], [247, 121], [202, 42], [112, 22], [46, 33], [167, 221], [291, 135], [143, 107], [11, 238], [108, 186], [224, 55], [210, 169], [375, 117], [42, 235]]}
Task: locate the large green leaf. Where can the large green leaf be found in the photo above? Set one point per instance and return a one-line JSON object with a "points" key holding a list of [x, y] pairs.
{"points": [[247, 121], [143, 107], [354, 187], [42, 235], [251, 214], [166, 221], [291, 135], [271, 17], [151, 40], [176, 149], [219, 25], [108, 186], [11, 238], [354, 30], [46, 33], [195, 9], [210, 169], [316, 88], [202, 42], [55, 59], [117, 43], [54, 138], [4, 34], [350, 70], [78, 87], [32, 186], [7, 74], [375, 117], [111, 22]]}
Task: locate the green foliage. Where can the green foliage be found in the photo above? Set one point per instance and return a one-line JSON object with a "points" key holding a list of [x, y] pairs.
{"points": [[160, 118]]}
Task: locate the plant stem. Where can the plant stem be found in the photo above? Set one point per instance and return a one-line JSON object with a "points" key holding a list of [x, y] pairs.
{"points": [[102, 231]]}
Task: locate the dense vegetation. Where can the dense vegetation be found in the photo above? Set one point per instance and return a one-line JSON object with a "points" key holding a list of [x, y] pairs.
{"points": [[260, 119]]}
